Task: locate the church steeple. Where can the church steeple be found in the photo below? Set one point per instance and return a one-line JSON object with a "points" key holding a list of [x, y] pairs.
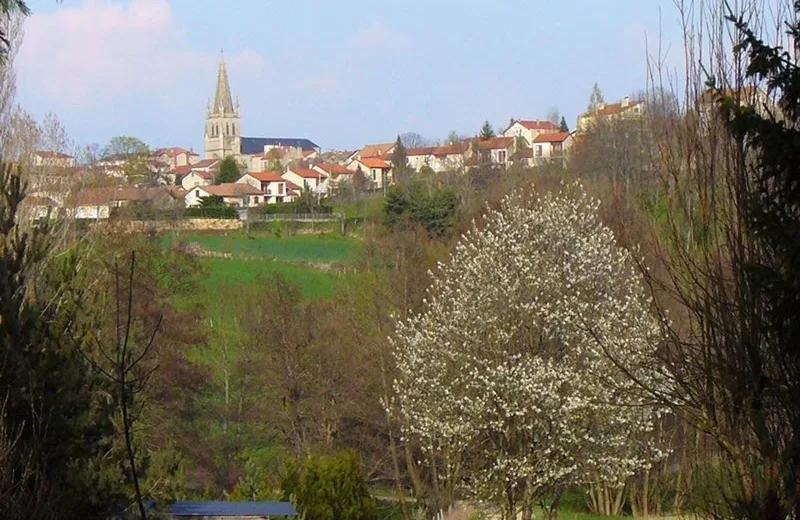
{"points": [[223, 102], [223, 128]]}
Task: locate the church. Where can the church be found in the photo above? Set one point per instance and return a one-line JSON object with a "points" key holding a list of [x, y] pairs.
{"points": [[223, 136]]}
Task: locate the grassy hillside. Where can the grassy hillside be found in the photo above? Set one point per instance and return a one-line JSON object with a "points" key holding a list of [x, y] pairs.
{"points": [[326, 248]]}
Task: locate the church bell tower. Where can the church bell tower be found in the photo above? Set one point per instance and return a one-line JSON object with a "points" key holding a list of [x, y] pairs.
{"points": [[223, 128]]}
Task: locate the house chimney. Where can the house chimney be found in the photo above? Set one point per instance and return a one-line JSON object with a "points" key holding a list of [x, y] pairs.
{"points": [[626, 101]]}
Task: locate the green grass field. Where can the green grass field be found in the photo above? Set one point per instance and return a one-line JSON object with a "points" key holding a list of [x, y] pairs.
{"points": [[233, 272], [325, 248]]}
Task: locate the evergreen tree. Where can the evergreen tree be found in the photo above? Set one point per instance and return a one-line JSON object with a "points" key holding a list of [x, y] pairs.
{"points": [[400, 167], [228, 170], [56, 429], [563, 126], [595, 99], [487, 132]]}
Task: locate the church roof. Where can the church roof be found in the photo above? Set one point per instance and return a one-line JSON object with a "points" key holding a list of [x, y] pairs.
{"points": [[222, 98], [255, 145]]}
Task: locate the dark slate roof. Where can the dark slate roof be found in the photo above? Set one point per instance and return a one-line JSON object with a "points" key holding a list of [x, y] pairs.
{"points": [[253, 145], [191, 509]]}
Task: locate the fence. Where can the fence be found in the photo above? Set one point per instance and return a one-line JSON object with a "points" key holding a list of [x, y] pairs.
{"points": [[288, 217]]}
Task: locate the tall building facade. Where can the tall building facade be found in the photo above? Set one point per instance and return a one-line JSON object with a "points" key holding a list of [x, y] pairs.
{"points": [[223, 135]]}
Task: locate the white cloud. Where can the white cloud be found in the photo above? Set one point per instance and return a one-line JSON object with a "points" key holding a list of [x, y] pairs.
{"points": [[376, 34], [102, 50]]}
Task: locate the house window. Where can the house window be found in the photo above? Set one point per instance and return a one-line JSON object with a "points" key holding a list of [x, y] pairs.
{"points": [[281, 186], [501, 156], [538, 150], [256, 198], [196, 193]]}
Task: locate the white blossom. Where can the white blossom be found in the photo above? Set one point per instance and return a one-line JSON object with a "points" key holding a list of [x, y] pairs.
{"points": [[519, 370]]}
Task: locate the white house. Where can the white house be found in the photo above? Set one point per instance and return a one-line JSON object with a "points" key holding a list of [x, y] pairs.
{"points": [[271, 185], [552, 147], [196, 178], [496, 151], [98, 203], [313, 180], [530, 129], [449, 157], [377, 170], [241, 195], [57, 159], [419, 157]]}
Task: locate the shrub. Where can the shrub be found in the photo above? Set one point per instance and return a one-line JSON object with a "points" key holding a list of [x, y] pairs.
{"points": [[329, 488]]}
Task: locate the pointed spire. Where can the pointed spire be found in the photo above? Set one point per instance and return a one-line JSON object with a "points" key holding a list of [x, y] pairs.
{"points": [[222, 98]]}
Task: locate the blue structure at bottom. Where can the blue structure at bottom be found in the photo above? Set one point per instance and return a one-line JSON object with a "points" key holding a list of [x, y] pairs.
{"points": [[192, 509]]}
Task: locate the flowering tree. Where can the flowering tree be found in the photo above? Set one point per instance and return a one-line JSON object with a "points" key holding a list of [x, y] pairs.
{"points": [[510, 379]]}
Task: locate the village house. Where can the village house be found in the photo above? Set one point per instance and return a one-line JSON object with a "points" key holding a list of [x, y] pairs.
{"points": [[240, 195], [196, 178], [419, 157], [496, 151], [53, 159], [175, 156], [625, 109], [377, 170], [338, 175], [750, 96], [313, 180], [101, 203], [381, 150], [530, 129], [36, 207], [271, 185], [551, 147]]}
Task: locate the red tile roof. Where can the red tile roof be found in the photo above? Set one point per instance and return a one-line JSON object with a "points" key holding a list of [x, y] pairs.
{"points": [[308, 173], [451, 149], [556, 137], [266, 176], [173, 151], [535, 124], [97, 196], [53, 155], [231, 189], [205, 163], [333, 168], [374, 162], [182, 170], [372, 150], [495, 143], [420, 151]]}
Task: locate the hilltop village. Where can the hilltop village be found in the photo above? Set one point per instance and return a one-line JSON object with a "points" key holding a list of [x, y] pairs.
{"points": [[276, 170]]}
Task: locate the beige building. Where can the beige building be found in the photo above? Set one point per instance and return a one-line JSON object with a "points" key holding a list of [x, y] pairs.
{"points": [[625, 109]]}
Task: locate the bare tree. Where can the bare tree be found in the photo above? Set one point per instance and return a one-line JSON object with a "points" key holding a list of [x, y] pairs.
{"points": [[127, 366], [553, 115]]}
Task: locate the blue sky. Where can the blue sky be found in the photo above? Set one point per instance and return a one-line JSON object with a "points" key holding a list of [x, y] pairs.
{"points": [[340, 73]]}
